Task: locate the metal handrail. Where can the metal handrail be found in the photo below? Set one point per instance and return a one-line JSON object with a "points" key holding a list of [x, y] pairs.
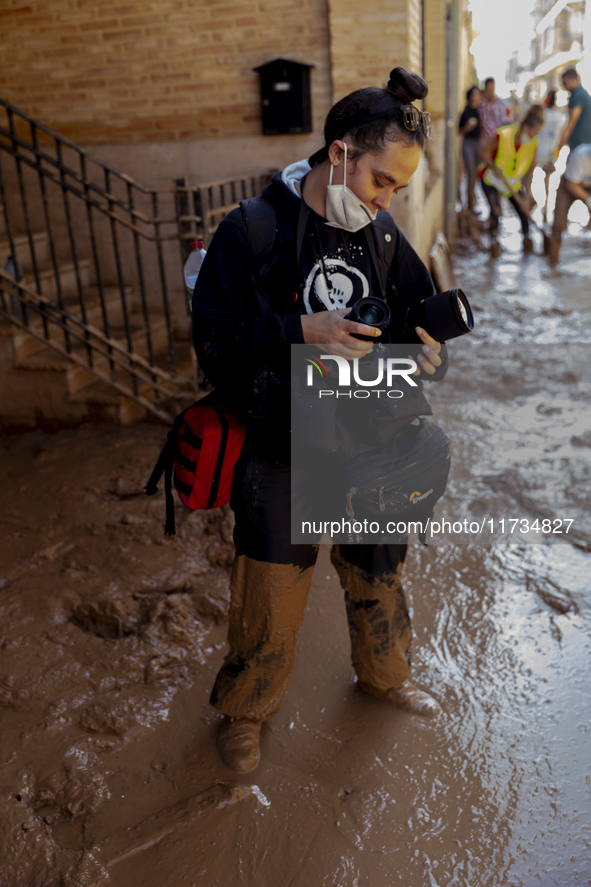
{"points": [[105, 228], [79, 192], [53, 134], [131, 363]]}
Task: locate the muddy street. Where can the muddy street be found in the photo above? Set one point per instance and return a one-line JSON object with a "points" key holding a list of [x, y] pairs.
{"points": [[111, 635]]}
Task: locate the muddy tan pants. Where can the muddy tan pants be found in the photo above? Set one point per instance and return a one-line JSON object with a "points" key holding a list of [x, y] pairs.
{"points": [[270, 584]]}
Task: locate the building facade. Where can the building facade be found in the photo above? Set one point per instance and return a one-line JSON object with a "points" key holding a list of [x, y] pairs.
{"points": [[153, 108], [559, 42], [167, 89]]}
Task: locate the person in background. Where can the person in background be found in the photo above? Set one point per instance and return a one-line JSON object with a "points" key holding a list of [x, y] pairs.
{"points": [[578, 128], [548, 140], [469, 127], [509, 162], [493, 111], [575, 184]]}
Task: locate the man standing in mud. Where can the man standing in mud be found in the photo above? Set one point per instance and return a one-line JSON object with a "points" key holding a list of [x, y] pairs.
{"points": [[493, 111], [578, 128], [375, 137], [575, 184]]}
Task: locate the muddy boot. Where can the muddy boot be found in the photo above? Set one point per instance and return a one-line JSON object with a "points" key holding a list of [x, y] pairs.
{"points": [[238, 744], [408, 697], [528, 245]]}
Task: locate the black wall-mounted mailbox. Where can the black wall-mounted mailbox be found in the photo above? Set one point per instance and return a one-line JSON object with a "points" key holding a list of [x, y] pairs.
{"points": [[285, 97]]}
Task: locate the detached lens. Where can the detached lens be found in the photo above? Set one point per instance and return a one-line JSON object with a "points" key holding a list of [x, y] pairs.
{"points": [[463, 312], [466, 318], [444, 316]]}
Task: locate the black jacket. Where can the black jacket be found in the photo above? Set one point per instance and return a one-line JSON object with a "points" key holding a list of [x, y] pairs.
{"points": [[245, 351]]}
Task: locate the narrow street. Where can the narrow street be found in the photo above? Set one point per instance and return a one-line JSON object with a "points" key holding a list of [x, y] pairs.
{"points": [[111, 636]]}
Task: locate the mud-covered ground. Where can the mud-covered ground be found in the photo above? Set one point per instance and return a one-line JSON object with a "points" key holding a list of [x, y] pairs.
{"points": [[111, 634]]}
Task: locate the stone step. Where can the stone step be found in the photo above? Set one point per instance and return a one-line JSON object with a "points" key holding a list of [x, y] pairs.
{"points": [[101, 397], [41, 386], [25, 344], [185, 357], [22, 248], [78, 377], [109, 403], [158, 334], [67, 277], [93, 307]]}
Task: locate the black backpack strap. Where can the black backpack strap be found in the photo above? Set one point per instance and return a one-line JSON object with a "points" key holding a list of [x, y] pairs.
{"points": [[386, 246], [169, 526], [164, 466], [166, 454], [261, 228], [382, 237]]}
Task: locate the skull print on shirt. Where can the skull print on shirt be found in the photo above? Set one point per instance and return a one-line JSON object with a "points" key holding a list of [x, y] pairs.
{"points": [[345, 285]]}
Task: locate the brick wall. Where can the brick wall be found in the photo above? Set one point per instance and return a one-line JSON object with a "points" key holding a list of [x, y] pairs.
{"points": [[165, 88], [120, 71], [359, 56], [368, 40], [435, 53]]}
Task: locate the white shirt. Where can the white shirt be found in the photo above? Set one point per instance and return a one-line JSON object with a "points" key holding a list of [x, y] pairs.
{"points": [[578, 168], [549, 136]]}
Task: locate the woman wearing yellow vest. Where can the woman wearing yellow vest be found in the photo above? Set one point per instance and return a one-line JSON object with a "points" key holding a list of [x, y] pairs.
{"points": [[508, 163]]}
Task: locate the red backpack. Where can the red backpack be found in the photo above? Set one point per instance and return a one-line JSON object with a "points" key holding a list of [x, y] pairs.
{"points": [[199, 457]]}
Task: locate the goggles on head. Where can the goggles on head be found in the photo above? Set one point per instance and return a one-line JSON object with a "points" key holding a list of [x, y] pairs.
{"points": [[412, 118]]}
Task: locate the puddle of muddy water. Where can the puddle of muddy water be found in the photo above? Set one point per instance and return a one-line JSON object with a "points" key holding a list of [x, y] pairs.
{"points": [[355, 792], [520, 431]]}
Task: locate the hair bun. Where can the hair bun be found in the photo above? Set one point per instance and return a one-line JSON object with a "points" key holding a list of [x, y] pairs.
{"points": [[405, 86]]}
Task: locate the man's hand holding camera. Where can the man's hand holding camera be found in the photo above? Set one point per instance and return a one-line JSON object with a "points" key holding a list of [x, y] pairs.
{"points": [[331, 328], [429, 359]]}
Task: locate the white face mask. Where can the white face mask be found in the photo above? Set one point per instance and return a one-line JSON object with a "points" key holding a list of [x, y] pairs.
{"points": [[343, 208]]}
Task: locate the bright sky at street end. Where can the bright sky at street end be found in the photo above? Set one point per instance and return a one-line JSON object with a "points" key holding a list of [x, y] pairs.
{"points": [[505, 26]]}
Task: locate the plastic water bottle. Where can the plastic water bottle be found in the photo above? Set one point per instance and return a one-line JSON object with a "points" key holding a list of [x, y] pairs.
{"points": [[193, 266]]}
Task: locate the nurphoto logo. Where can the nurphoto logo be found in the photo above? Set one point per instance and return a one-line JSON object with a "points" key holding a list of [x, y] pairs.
{"points": [[388, 368]]}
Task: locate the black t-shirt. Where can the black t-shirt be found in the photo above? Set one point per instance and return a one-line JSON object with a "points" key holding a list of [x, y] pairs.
{"points": [[243, 344], [467, 113], [336, 268]]}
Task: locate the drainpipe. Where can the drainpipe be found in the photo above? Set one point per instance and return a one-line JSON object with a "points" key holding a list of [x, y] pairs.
{"points": [[423, 31], [451, 105]]}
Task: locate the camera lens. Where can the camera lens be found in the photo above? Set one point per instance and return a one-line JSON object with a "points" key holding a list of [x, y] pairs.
{"points": [[463, 312], [371, 311], [371, 314], [444, 315], [464, 316]]}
